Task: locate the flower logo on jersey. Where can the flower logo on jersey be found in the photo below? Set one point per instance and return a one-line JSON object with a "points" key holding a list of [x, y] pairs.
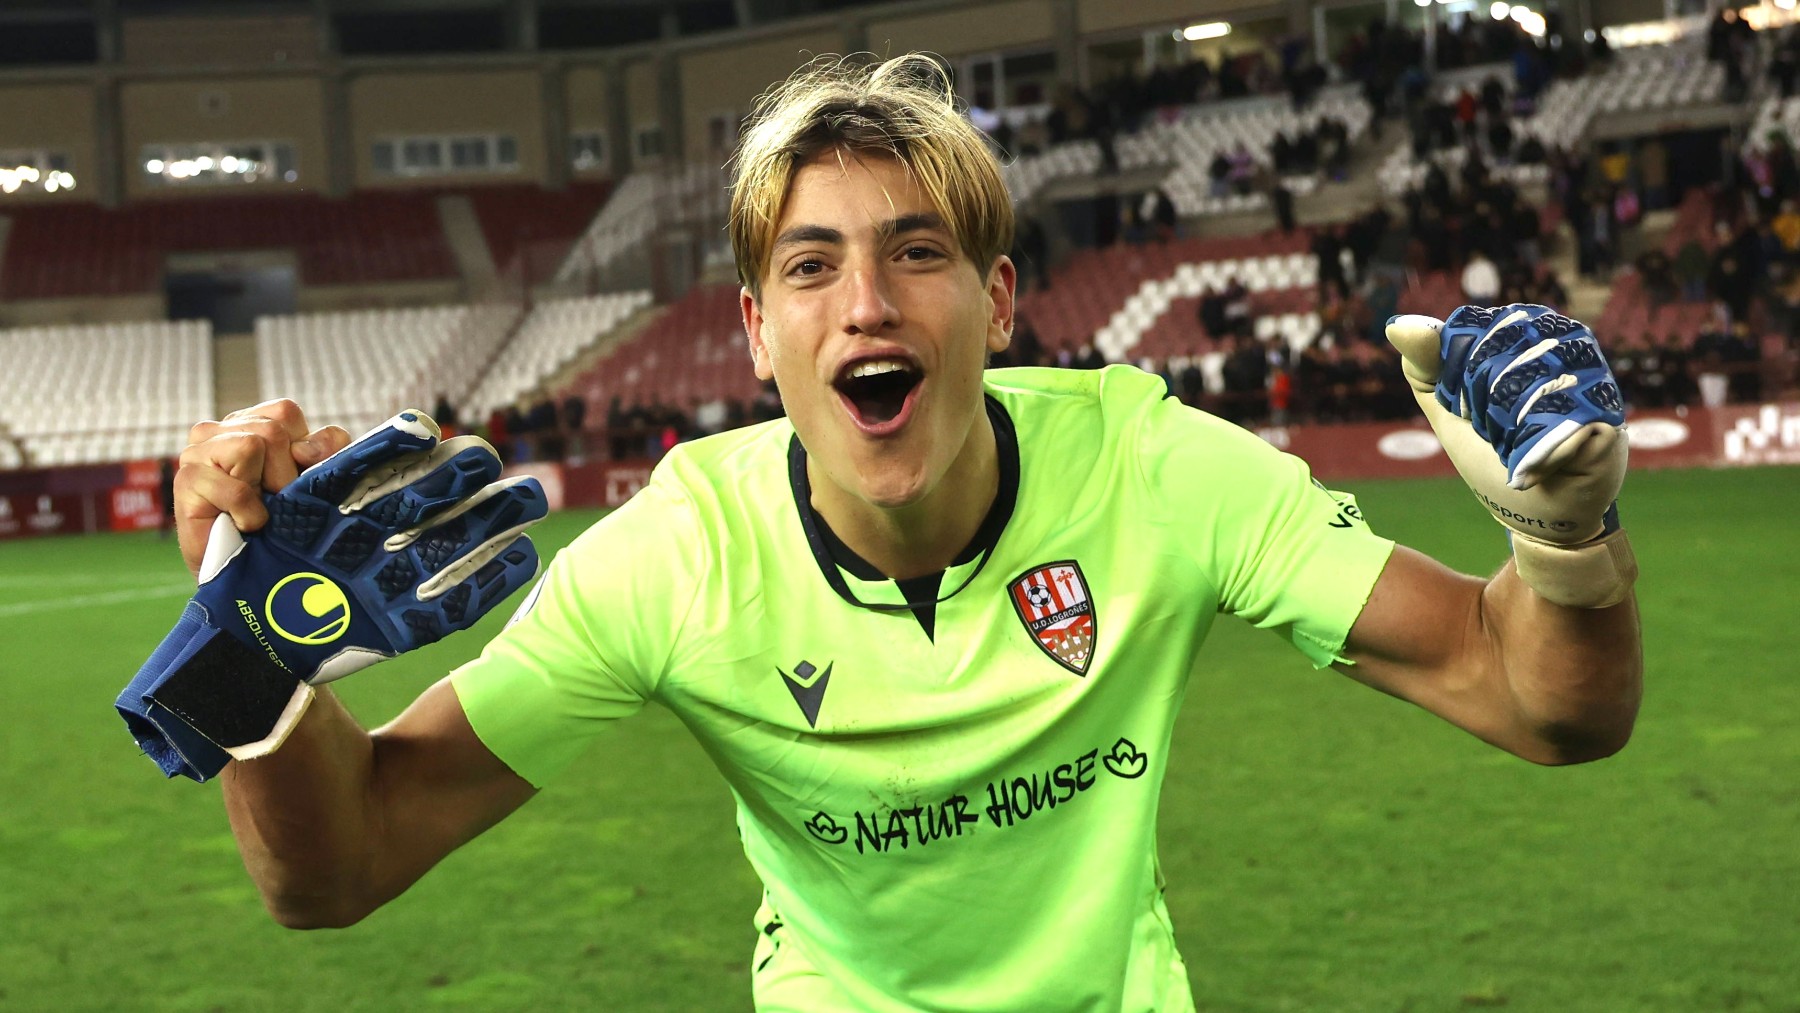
{"points": [[826, 829], [1052, 601], [1125, 761]]}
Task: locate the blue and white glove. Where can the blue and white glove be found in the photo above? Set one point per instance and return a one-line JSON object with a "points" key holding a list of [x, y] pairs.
{"points": [[387, 545], [1527, 409]]}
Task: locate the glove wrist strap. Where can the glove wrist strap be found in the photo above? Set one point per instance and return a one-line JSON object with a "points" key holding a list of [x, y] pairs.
{"points": [[210, 698], [1593, 574]]}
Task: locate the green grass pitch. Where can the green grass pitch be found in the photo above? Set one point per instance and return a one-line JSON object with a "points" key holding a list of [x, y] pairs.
{"points": [[1327, 848]]}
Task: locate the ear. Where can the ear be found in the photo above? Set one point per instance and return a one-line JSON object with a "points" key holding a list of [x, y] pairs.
{"points": [[1002, 287], [753, 327]]}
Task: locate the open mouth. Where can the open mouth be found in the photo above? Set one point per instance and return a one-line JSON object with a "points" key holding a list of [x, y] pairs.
{"points": [[878, 391]]}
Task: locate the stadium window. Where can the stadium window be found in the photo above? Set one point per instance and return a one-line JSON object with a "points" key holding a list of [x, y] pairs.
{"points": [[381, 157], [587, 151], [287, 166], [506, 152], [649, 142], [469, 154], [218, 162], [34, 171], [422, 155]]}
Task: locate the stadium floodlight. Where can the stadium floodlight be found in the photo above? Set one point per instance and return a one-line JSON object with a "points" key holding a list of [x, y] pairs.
{"points": [[228, 164], [154, 165], [1499, 10], [1210, 30]]}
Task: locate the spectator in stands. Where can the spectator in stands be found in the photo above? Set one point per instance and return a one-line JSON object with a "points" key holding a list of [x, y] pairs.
{"points": [[1731, 284], [1653, 174], [1236, 301], [499, 433], [1161, 216], [574, 422], [1243, 168], [1218, 172], [1691, 268], [1657, 275], [1328, 249], [1742, 362], [445, 414], [1212, 313], [1245, 373], [165, 486], [1281, 199], [1786, 228], [1675, 366], [1710, 365]]}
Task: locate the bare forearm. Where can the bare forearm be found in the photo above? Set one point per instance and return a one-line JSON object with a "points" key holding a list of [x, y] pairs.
{"points": [[302, 818], [1575, 674]]}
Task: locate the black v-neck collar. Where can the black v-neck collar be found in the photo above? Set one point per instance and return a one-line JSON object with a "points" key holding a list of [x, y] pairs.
{"points": [[921, 593]]}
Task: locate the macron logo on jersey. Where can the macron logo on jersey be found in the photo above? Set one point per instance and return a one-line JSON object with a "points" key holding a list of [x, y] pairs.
{"points": [[807, 684], [1053, 602]]}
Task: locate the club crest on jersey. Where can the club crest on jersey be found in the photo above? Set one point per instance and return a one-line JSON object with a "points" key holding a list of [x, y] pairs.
{"points": [[1053, 603]]}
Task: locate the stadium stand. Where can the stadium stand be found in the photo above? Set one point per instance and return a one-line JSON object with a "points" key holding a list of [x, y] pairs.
{"points": [[1117, 296], [547, 222], [354, 368], [1647, 77], [79, 395], [1190, 139], [694, 351], [643, 202], [552, 336], [74, 250]]}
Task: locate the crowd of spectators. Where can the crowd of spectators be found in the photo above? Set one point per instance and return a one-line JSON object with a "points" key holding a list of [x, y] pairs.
{"points": [[1468, 219]]}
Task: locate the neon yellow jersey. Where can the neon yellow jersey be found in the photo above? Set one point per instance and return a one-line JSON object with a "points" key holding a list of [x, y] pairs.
{"points": [[951, 807]]}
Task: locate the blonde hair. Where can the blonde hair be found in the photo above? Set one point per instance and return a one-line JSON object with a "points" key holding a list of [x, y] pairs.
{"points": [[902, 108]]}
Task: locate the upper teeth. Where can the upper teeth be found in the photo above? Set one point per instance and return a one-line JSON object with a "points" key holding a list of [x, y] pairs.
{"points": [[876, 367]]}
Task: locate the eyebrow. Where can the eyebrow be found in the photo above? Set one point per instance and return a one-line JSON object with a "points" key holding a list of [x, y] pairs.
{"points": [[917, 221]]}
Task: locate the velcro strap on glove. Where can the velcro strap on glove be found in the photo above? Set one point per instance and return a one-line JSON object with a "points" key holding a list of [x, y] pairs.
{"points": [[1591, 575]]}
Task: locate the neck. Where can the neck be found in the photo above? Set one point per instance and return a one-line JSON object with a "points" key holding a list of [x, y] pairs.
{"points": [[925, 536]]}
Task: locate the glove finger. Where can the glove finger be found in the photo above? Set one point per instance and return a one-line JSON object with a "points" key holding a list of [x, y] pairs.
{"points": [[465, 539], [495, 569], [1418, 340], [426, 484], [409, 432], [1567, 448]]}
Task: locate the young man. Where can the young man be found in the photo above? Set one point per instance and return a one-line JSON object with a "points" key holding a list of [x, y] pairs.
{"points": [[934, 628]]}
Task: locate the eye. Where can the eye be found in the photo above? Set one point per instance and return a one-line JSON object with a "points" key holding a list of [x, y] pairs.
{"points": [[806, 268], [920, 254]]}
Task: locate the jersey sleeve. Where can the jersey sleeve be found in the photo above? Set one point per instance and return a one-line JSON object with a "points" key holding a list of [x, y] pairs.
{"points": [[1281, 550], [591, 641]]}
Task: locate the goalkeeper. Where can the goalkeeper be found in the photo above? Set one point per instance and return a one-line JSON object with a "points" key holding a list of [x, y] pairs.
{"points": [[934, 626]]}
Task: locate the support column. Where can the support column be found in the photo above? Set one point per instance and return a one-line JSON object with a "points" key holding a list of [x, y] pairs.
{"points": [[1321, 48], [340, 140], [553, 87], [855, 30], [1065, 40], [108, 32], [522, 25], [668, 107], [618, 121], [111, 160]]}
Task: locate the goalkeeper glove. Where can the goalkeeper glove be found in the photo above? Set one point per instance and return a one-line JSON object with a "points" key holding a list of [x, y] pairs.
{"points": [[387, 545], [1528, 411]]}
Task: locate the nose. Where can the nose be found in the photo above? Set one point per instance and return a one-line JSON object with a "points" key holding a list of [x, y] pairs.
{"points": [[869, 306]]}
